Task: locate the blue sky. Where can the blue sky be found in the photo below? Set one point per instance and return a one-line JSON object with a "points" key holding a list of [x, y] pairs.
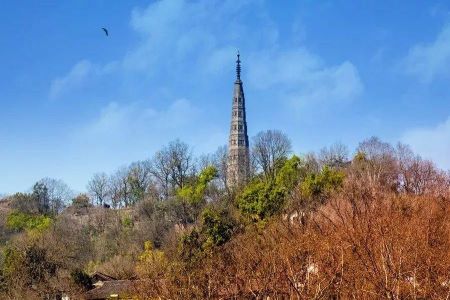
{"points": [[74, 102]]}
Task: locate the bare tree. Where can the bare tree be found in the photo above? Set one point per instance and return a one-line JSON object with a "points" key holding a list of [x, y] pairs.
{"points": [[312, 164], [139, 178], [59, 194], [98, 187], [335, 156], [119, 188], [172, 165], [161, 170], [181, 162], [269, 147], [218, 159], [416, 175], [376, 160]]}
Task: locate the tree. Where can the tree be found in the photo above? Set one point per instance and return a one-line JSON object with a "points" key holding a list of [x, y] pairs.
{"points": [[119, 188], [139, 178], [161, 170], [25, 203], [192, 196], [81, 201], [375, 161], [172, 166], [152, 263], [98, 187], [416, 175], [40, 193], [316, 188], [261, 200], [336, 156], [219, 160], [269, 147], [194, 193], [53, 193], [217, 225], [181, 162], [264, 198]]}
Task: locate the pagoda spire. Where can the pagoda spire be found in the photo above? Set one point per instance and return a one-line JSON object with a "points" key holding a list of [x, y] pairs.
{"points": [[238, 167], [238, 67]]}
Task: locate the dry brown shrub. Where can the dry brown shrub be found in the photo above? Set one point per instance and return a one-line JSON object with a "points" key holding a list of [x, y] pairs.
{"points": [[361, 244]]}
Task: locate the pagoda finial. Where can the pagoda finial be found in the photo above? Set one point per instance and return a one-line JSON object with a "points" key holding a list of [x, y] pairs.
{"points": [[238, 67]]}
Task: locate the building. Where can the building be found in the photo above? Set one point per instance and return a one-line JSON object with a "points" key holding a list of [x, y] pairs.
{"points": [[238, 164], [107, 287]]}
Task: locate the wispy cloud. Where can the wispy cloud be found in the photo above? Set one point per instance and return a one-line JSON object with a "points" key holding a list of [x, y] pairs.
{"points": [[427, 61], [77, 77], [73, 79], [303, 78], [179, 37], [431, 142], [185, 48], [137, 119]]}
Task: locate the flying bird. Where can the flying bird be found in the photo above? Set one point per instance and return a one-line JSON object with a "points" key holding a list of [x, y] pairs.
{"points": [[106, 31]]}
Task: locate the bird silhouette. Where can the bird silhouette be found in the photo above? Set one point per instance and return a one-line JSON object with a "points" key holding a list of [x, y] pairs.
{"points": [[106, 31]]}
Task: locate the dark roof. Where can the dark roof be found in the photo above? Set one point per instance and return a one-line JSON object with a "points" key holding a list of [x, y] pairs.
{"points": [[101, 276], [123, 288]]}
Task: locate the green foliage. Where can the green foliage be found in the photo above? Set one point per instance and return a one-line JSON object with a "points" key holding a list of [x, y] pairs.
{"points": [[262, 199], [21, 221], [317, 186], [191, 197], [127, 222], [152, 263], [217, 226], [194, 193], [290, 173]]}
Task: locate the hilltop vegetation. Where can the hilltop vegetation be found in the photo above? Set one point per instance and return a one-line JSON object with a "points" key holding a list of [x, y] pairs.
{"points": [[326, 225]]}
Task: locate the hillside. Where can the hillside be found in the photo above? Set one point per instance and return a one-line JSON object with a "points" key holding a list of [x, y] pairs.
{"points": [[376, 225]]}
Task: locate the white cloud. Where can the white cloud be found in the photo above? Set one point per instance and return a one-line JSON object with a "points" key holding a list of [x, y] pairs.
{"points": [[189, 41], [74, 78], [78, 76], [427, 61], [432, 143], [304, 78], [119, 120], [184, 49]]}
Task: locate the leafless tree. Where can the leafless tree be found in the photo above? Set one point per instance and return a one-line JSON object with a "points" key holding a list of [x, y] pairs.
{"points": [[268, 147], [376, 161], [119, 188], [218, 159], [172, 165], [312, 163], [59, 193], [139, 178], [98, 187], [416, 175], [161, 171], [181, 162], [335, 156]]}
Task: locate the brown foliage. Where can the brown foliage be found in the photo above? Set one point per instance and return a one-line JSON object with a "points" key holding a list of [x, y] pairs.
{"points": [[361, 245]]}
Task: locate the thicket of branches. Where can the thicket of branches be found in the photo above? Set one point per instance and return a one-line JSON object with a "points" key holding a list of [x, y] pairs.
{"points": [[328, 225]]}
